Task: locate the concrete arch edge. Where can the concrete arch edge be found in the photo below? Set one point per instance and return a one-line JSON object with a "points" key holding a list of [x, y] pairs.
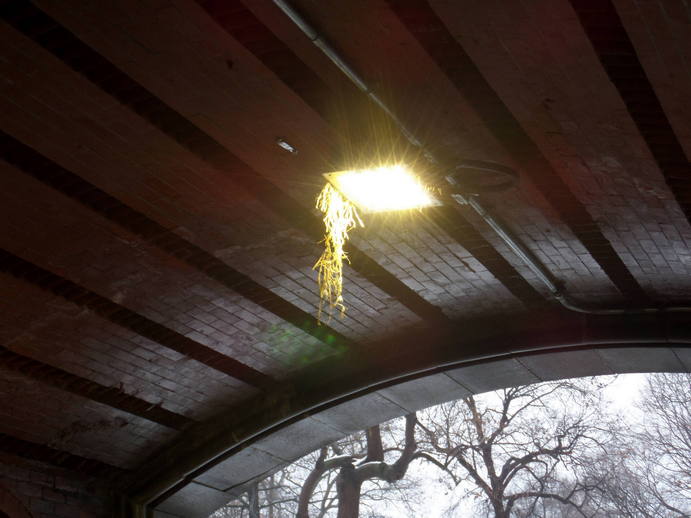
{"points": [[363, 388]]}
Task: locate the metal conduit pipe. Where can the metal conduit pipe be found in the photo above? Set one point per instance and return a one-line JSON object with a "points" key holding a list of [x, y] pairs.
{"points": [[505, 234], [336, 59], [542, 273], [516, 246]]}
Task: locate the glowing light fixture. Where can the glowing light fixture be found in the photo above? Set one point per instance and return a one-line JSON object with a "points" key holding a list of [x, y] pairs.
{"points": [[382, 189], [371, 190]]}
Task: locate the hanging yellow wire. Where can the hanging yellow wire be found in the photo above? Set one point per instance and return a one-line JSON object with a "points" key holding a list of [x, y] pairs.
{"points": [[340, 216]]}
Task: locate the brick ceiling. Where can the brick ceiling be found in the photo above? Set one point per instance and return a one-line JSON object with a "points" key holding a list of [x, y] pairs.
{"points": [[157, 244]]}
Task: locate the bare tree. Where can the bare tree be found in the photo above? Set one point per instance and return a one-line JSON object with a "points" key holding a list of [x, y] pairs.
{"points": [[272, 497], [354, 468], [520, 446], [548, 450], [667, 434], [355, 476], [648, 473]]}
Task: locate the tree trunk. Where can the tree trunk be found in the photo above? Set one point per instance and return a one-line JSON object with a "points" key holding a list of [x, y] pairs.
{"points": [[348, 486], [253, 496], [499, 510], [271, 496]]}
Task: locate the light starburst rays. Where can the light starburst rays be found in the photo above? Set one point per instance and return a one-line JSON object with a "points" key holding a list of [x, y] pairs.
{"points": [[383, 189], [340, 217]]}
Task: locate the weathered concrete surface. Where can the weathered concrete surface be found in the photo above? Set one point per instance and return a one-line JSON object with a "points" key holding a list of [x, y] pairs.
{"points": [[489, 359]]}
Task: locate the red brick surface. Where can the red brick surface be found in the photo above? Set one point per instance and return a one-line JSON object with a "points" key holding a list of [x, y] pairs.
{"points": [[126, 178], [439, 268], [43, 327], [102, 257], [655, 29], [35, 490], [536, 57], [454, 130], [220, 107], [67, 422]]}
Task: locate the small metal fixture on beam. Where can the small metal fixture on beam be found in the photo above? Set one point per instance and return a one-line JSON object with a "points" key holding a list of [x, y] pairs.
{"points": [[287, 146]]}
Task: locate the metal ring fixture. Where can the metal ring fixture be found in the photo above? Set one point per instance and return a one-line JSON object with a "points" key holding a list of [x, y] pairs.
{"points": [[470, 177]]}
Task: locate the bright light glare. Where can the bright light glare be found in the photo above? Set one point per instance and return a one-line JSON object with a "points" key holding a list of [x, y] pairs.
{"points": [[382, 189]]}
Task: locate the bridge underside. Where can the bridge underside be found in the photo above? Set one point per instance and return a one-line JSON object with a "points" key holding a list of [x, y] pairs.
{"points": [[159, 330]]}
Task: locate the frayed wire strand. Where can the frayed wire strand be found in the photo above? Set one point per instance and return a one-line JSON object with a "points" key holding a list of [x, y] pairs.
{"points": [[340, 217]]}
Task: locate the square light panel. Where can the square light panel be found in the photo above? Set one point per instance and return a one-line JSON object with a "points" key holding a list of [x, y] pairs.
{"points": [[382, 189]]}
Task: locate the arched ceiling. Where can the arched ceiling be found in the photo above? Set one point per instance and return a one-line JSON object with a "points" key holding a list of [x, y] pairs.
{"points": [[157, 244]]}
